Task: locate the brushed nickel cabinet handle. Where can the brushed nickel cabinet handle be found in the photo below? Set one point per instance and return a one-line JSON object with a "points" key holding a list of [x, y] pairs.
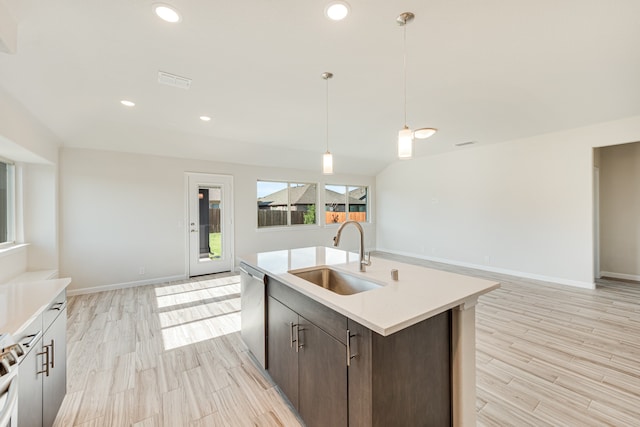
{"points": [[53, 353], [45, 364], [349, 355], [291, 340], [57, 306], [33, 340], [298, 346]]}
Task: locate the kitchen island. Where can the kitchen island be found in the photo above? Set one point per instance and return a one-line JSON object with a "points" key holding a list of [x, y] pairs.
{"points": [[409, 343]]}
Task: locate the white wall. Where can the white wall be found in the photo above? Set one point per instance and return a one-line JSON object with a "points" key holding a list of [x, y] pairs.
{"points": [[620, 211], [40, 205], [523, 207], [122, 211], [34, 148]]}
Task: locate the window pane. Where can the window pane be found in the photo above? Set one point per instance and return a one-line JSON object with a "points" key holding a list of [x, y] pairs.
{"points": [[358, 203], [335, 203], [303, 203], [4, 202], [273, 200]]}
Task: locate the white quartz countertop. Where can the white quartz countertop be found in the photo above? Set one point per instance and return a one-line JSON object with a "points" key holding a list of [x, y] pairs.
{"points": [[419, 294], [22, 301]]}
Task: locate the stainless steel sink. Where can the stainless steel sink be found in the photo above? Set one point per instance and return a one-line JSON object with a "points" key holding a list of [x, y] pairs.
{"points": [[336, 281]]}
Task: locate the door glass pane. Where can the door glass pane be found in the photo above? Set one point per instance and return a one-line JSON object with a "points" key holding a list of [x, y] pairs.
{"points": [[209, 217], [4, 202]]}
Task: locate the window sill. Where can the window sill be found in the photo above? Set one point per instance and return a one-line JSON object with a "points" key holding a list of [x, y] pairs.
{"points": [[289, 228], [338, 224], [12, 249]]}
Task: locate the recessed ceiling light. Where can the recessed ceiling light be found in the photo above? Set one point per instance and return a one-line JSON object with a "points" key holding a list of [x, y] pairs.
{"points": [[337, 10], [127, 103], [166, 12], [205, 118]]}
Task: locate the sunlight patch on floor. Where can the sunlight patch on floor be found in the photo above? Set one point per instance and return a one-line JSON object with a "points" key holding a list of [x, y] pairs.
{"points": [[201, 330], [198, 311]]}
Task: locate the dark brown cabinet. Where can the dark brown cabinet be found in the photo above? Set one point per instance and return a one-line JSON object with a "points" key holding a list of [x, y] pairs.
{"points": [[308, 365], [282, 356], [322, 386], [337, 372]]}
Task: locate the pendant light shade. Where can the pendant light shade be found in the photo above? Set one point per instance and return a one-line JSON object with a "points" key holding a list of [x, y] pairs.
{"points": [[327, 163], [406, 135], [405, 144], [327, 158]]}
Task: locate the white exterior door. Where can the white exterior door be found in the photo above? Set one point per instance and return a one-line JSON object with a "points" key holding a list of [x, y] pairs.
{"points": [[210, 225]]}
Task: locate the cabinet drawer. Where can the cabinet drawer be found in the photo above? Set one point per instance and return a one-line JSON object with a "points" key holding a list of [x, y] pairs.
{"points": [[333, 323], [54, 309]]}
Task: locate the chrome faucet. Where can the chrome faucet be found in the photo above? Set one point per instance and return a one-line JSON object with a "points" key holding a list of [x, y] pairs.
{"points": [[336, 242]]}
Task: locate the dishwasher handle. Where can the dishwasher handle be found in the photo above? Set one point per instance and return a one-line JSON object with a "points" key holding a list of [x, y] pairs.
{"points": [[253, 273]]}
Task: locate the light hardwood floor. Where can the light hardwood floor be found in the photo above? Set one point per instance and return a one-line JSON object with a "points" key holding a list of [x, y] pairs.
{"points": [[171, 355]]}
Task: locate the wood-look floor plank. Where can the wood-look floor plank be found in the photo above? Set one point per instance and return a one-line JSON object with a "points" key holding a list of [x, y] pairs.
{"points": [[575, 351], [171, 355]]}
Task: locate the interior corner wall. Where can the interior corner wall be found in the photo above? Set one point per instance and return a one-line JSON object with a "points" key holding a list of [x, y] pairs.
{"points": [[523, 207], [120, 212], [34, 148], [40, 211], [620, 211]]}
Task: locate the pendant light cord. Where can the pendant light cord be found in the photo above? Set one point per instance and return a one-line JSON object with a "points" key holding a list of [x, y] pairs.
{"points": [[327, 114], [404, 66]]}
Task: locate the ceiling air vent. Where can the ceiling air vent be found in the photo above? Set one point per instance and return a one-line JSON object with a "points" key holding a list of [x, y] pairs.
{"points": [[462, 144], [173, 80]]}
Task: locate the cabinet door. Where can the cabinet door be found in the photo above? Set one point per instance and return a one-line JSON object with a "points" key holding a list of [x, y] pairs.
{"points": [[322, 389], [54, 387], [30, 388], [281, 344], [360, 387]]}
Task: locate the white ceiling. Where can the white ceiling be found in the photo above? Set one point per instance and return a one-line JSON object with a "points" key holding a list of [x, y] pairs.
{"points": [[489, 71]]}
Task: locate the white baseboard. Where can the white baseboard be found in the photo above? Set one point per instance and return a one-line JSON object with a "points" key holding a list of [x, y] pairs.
{"points": [[94, 289], [556, 280], [634, 277]]}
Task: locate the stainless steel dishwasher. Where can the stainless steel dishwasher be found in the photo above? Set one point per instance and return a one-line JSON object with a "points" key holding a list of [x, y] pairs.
{"points": [[253, 314]]}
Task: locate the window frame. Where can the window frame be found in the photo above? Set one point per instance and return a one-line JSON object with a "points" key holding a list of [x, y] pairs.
{"points": [[11, 203], [289, 225], [346, 203]]}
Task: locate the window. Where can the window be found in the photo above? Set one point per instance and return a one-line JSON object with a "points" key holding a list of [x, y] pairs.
{"points": [[7, 174], [283, 204], [343, 202]]}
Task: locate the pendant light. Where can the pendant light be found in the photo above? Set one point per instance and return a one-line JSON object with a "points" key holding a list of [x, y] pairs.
{"points": [[327, 158], [406, 135]]}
